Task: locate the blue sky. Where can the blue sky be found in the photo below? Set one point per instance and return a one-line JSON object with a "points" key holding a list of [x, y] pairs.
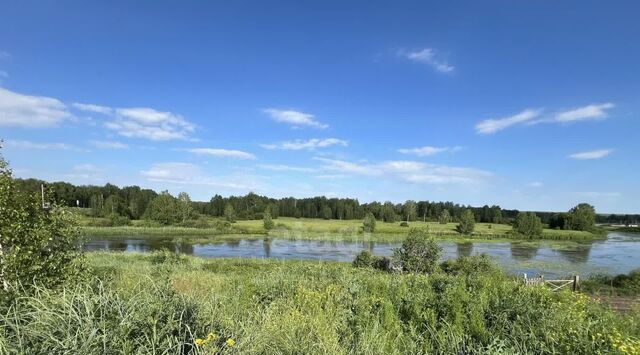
{"points": [[530, 105]]}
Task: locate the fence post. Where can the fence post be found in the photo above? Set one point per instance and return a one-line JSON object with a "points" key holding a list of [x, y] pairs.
{"points": [[576, 283]]}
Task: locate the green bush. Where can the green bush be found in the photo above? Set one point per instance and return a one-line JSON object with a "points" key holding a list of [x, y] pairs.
{"points": [[369, 223], [419, 253], [404, 224], [467, 222], [267, 222], [469, 265], [528, 224]]}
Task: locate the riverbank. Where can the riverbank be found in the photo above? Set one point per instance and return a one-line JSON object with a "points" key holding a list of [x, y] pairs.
{"points": [[259, 306], [329, 230]]}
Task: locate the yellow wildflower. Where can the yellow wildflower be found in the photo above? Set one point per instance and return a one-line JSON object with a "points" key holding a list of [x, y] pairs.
{"points": [[200, 342], [230, 342]]}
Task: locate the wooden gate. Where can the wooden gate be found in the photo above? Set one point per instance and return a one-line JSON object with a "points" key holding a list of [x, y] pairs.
{"points": [[554, 285]]}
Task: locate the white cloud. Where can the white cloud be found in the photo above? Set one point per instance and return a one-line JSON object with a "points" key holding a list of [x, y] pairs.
{"points": [[223, 153], [281, 167], [295, 118], [535, 184], [147, 123], [93, 108], [496, 124], [408, 171], [18, 110], [109, 145], [593, 154], [428, 150], [22, 144], [589, 112], [430, 57], [534, 116], [310, 144], [190, 174]]}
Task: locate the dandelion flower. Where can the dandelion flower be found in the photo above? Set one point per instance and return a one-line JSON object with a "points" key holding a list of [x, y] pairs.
{"points": [[230, 342], [199, 342]]}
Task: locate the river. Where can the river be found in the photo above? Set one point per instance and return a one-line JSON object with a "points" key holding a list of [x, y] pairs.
{"points": [[618, 253]]}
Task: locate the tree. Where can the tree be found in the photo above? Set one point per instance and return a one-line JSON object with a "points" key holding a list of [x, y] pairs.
{"points": [[184, 206], [229, 213], [37, 246], [444, 217], [467, 222], [326, 212], [419, 252], [528, 224], [369, 223], [114, 205], [164, 209], [267, 222], [581, 218], [410, 211], [388, 212]]}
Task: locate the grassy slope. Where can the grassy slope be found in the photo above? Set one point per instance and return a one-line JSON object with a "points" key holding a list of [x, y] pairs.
{"points": [[319, 229], [159, 302]]}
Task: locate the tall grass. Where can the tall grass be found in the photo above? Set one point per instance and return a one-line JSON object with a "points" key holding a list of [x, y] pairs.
{"points": [[163, 303]]}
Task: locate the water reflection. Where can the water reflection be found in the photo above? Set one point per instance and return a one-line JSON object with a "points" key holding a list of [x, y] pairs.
{"points": [[523, 251], [577, 254], [464, 249]]}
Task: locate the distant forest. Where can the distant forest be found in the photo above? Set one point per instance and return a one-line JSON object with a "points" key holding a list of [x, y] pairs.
{"points": [[132, 201]]}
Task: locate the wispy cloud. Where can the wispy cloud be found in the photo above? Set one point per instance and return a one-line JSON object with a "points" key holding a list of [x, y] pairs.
{"points": [[142, 122], [598, 194], [408, 171], [293, 117], [535, 184], [592, 154], [428, 150], [23, 144], [190, 174], [109, 144], [430, 57], [222, 153], [19, 110], [494, 125], [281, 167], [589, 112], [535, 116], [93, 108], [310, 144]]}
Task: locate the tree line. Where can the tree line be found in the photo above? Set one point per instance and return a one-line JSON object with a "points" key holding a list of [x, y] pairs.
{"points": [[134, 202]]}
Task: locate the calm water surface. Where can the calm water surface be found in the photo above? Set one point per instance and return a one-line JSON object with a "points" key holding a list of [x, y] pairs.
{"points": [[619, 253]]}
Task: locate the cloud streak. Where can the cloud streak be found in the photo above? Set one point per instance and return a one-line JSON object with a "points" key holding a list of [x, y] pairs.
{"points": [[310, 144], [294, 118], [190, 174], [428, 150], [591, 155], [222, 153], [531, 117], [430, 57]]}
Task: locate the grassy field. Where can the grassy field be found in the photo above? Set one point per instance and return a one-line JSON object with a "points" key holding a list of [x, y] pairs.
{"points": [[166, 304], [320, 229]]}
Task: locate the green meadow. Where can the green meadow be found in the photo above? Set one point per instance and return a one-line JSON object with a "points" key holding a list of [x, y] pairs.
{"points": [[166, 304], [317, 229]]}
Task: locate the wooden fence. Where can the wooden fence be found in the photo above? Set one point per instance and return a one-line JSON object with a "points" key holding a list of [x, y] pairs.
{"points": [[555, 285]]}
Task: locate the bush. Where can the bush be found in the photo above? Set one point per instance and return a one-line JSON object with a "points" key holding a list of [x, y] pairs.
{"points": [[467, 222], [444, 217], [404, 224], [364, 259], [164, 209], [369, 223], [419, 252], [267, 222], [469, 265], [528, 224], [117, 220], [39, 247]]}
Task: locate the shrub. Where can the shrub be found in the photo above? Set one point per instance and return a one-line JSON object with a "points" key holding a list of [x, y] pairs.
{"points": [[404, 224], [469, 265], [229, 213], [117, 220], [581, 218], [444, 217], [267, 222], [364, 259], [419, 252], [164, 209], [528, 224], [467, 222], [369, 223], [38, 246]]}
